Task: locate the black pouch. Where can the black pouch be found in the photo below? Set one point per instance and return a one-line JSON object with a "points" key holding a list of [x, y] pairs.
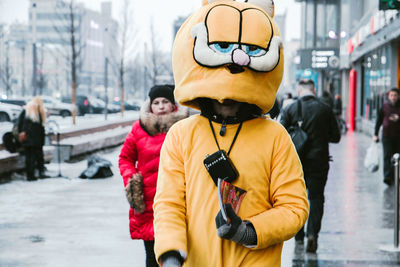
{"points": [[220, 166]]}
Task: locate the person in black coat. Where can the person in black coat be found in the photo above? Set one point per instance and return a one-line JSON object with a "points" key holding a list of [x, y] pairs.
{"points": [[337, 106], [321, 127], [31, 125], [326, 98]]}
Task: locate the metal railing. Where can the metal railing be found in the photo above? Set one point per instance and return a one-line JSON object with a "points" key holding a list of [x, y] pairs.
{"points": [[395, 161], [395, 247]]}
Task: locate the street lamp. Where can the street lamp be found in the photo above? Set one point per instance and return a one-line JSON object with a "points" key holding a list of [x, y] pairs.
{"points": [[332, 34], [22, 46], [105, 73], [34, 55]]}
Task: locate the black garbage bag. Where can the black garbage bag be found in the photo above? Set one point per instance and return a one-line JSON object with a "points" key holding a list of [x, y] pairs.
{"points": [[97, 167], [10, 143]]}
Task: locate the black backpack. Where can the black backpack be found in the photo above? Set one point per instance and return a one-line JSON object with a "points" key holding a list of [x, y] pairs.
{"points": [[10, 139]]}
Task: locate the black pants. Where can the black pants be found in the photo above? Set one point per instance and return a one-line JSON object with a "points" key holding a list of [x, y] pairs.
{"points": [[150, 256], [34, 159], [391, 146], [315, 183]]}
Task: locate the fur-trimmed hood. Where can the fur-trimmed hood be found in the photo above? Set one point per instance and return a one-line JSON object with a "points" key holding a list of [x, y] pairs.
{"points": [[156, 124]]}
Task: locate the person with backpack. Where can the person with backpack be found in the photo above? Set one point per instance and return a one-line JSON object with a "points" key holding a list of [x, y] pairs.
{"points": [[321, 128]]}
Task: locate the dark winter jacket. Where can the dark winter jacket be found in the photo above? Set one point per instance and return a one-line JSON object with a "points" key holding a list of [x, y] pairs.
{"points": [[337, 106], [34, 130], [390, 128], [140, 154], [327, 99], [321, 127]]}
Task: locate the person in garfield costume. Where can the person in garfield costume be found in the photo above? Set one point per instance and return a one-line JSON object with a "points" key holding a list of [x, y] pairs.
{"points": [[228, 63], [139, 158]]}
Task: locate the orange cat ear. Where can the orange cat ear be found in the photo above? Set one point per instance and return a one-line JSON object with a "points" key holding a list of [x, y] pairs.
{"points": [[267, 5], [206, 2]]}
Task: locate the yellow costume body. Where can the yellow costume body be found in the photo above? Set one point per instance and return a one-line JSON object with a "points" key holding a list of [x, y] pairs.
{"points": [[186, 200]]}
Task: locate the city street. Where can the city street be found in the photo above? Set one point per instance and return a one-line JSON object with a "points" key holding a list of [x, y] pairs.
{"points": [[76, 222], [103, 60]]}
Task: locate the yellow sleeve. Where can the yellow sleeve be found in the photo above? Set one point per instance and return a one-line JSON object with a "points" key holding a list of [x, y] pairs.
{"points": [[288, 195], [169, 202]]}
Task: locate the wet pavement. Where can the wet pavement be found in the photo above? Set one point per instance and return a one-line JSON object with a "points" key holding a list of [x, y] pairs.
{"points": [[358, 218], [75, 222]]}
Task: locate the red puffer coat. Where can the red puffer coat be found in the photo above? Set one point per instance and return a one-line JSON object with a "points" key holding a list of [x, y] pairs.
{"points": [[140, 153]]}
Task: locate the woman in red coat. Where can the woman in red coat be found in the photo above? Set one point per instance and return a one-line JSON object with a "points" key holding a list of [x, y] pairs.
{"points": [[139, 159]]}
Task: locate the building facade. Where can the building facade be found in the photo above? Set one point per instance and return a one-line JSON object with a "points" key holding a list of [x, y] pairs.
{"points": [[351, 48], [370, 63]]}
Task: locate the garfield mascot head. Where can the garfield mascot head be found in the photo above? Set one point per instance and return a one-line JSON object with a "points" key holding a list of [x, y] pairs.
{"points": [[229, 50]]}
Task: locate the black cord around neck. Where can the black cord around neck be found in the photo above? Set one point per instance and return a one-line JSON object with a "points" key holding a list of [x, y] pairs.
{"points": [[234, 138]]}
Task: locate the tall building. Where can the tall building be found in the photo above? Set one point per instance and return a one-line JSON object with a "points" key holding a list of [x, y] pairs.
{"points": [[319, 44], [45, 44], [99, 35], [280, 20]]}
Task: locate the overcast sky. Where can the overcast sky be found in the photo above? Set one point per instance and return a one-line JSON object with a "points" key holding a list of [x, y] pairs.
{"points": [[162, 12]]}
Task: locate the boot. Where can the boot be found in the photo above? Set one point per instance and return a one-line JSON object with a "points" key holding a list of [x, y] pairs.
{"points": [[42, 175], [388, 181], [312, 244], [31, 178]]}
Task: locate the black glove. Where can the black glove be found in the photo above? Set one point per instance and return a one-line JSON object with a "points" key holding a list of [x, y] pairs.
{"points": [[171, 262], [239, 231]]}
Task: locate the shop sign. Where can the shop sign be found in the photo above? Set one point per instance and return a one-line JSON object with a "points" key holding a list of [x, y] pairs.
{"points": [[379, 20], [321, 58], [376, 78]]}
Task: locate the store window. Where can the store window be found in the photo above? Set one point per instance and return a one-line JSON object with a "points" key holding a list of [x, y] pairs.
{"points": [[332, 24], [321, 29], [309, 30], [376, 81]]}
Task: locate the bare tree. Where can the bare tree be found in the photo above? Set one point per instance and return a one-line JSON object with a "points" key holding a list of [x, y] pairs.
{"points": [[6, 73], [158, 68], [42, 79], [126, 39], [71, 15], [154, 54], [135, 74]]}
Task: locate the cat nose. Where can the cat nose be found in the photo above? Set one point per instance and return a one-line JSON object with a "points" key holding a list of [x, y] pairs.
{"points": [[240, 57]]}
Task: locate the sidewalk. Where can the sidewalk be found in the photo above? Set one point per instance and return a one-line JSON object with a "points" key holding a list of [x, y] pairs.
{"points": [[74, 222], [91, 133], [358, 217]]}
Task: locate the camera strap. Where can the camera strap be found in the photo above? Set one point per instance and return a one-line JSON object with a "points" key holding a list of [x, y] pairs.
{"points": [[234, 138]]}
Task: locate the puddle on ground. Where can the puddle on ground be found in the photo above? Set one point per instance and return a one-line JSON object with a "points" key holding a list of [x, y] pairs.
{"points": [[35, 238]]}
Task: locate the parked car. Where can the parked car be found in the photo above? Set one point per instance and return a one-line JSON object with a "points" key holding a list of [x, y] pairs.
{"points": [[56, 107], [9, 112], [82, 104], [98, 105], [15, 101], [129, 104], [112, 108]]}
